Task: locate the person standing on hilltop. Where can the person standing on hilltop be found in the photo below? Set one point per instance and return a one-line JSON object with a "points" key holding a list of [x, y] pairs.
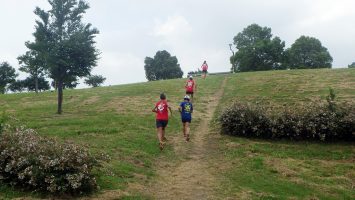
{"points": [[186, 110], [162, 118], [190, 87], [204, 68]]}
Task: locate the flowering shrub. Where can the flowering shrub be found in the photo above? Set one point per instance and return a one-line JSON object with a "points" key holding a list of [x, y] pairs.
{"points": [[245, 120], [41, 164], [314, 122]]}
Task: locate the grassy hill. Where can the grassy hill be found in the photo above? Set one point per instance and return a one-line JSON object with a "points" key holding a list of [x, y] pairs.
{"points": [[257, 169], [118, 121]]}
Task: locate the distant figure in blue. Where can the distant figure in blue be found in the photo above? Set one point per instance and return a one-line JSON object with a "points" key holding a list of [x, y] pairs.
{"points": [[186, 110]]}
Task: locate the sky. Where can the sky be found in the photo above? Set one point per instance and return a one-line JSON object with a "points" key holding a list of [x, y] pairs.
{"points": [[191, 30]]}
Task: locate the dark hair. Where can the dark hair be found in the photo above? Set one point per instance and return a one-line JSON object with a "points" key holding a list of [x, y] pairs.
{"points": [[162, 96]]}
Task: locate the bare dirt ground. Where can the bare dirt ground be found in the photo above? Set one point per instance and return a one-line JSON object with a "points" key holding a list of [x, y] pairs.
{"points": [[191, 177]]}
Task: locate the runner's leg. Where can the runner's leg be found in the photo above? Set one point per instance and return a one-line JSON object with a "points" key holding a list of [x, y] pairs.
{"points": [[187, 131], [184, 128], [160, 134]]}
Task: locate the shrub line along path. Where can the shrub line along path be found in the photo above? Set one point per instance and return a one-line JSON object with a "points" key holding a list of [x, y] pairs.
{"points": [[191, 177]]}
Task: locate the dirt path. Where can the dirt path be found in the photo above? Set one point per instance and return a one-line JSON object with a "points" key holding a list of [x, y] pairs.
{"points": [[191, 177]]}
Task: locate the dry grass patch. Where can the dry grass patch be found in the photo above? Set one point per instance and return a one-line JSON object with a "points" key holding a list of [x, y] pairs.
{"points": [[281, 166], [91, 100]]}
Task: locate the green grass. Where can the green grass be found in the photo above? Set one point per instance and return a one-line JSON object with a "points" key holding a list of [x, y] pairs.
{"points": [[259, 169], [115, 120], [118, 121]]}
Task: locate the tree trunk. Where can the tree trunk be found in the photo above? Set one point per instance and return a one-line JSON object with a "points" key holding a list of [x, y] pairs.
{"points": [[60, 96], [36, 84]]}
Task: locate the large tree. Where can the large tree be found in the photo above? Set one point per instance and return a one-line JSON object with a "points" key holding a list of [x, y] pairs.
{"points": [[257, 50], [7, 76], [65, 42], [32, 63], [352, 65], [162, 66], [307, 53]]}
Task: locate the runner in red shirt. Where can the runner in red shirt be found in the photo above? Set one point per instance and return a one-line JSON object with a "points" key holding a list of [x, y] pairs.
{"points": [[190, 87], [204, 68], [162, 118]]}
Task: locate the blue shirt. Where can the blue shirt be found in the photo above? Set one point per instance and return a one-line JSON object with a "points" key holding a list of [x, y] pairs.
{"points": [[186, 110]]}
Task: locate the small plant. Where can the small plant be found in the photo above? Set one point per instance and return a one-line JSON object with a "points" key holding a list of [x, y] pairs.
{"points": [[331, 100]]}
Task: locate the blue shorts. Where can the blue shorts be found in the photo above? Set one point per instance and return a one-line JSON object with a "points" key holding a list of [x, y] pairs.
{"points": [[161, 123], [184, 120]]}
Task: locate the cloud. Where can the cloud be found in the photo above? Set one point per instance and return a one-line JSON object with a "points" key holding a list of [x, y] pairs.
{"points": [[120, 68], [325, 12], [173, 26]]}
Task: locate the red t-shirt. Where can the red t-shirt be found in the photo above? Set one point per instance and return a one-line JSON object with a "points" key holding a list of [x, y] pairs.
{"points": [[162, 110], [190, 85], [204, 67]]}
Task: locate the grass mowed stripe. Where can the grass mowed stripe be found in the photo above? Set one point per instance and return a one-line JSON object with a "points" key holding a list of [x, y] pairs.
{"points": [[258, 169]]}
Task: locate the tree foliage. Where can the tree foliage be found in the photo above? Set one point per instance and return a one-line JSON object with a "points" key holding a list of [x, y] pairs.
{"points": [[42, 84], [7, 76], [308, 53], [33, 64], [69, 83], [17, 86], [162, 66], [257, 50], [352, 65], [65, 42], [29, 84], [95, 80]]}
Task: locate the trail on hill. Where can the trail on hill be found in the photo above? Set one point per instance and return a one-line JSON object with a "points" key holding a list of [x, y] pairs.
{"points": [[192, 176]]}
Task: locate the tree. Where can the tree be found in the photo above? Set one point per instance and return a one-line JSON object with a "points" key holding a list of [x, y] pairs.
{"points": [[17, 86], [257, 50], [33, 64], [95, 80], [162, 66], [308, 53], [7, 76], [65, 42], [30, 84], [352, 65], [42, 84]]}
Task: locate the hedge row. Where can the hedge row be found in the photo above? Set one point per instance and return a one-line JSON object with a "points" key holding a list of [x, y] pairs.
{"points": [[324, 122], [36, 163]]}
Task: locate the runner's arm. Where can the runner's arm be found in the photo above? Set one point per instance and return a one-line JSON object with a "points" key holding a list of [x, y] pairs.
{"points": [[154, 109]]}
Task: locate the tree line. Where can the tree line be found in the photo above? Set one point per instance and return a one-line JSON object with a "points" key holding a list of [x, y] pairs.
{"points": [[257, 49]]}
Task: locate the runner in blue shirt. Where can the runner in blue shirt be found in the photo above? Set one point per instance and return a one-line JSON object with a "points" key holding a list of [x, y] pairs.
{"points": [[186, 110]]}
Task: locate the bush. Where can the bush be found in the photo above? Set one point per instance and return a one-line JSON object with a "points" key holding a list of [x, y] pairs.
{"points": [[36, 163], [245, 120], [325, 122]]}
